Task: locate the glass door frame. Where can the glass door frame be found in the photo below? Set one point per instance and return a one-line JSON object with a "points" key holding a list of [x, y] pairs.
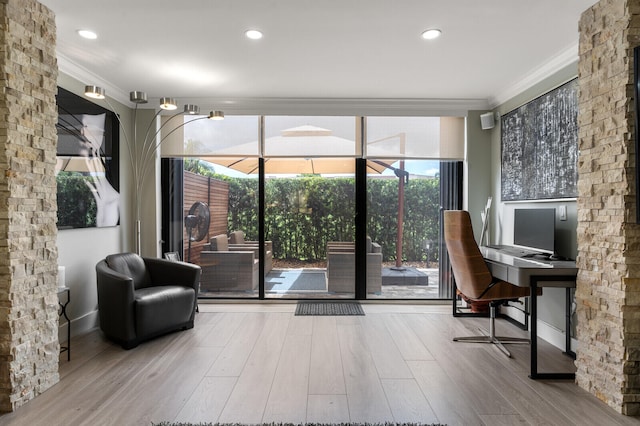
{"points": [[171, 215]]}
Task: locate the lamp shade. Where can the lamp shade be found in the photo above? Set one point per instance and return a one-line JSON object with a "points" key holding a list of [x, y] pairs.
{"points": [[138, 97], [168, 104], [216, 115], [191, 109], [94, 92]]}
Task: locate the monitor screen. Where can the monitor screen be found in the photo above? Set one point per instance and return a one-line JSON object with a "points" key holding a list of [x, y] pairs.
{"points": [[535, 229]]}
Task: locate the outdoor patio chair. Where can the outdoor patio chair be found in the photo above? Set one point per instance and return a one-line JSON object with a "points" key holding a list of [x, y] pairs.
{"points": [[237, 242], [226, 269], [341, 258]]}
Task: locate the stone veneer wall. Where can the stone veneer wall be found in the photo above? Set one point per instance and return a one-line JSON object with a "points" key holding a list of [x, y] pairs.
{"points": [[29, 347], [608, 292]]}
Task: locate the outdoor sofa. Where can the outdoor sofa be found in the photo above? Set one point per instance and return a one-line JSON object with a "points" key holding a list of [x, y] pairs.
{"points": [[228, 268], [237, 242], [341, 261]]}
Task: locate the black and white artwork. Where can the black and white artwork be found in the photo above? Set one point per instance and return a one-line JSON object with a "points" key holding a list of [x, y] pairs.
{"points": [[87, 164], [540, 147]]}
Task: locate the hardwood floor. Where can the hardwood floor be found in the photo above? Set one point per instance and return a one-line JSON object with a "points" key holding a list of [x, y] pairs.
{"points": [[251, 363]]}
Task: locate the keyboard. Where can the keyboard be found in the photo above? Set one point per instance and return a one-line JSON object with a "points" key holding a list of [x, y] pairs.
{"points": [[513, 251], [535, 262]]}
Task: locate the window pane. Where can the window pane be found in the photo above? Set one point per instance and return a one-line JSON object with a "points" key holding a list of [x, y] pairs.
{"points": [[229, 253], [199, 136], [403, 205], [415, 137], [310, 221], [310, 137]]}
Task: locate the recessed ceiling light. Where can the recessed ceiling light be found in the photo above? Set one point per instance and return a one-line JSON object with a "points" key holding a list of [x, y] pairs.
{"points": [[253, 34], [87, 34], [431, 34]]}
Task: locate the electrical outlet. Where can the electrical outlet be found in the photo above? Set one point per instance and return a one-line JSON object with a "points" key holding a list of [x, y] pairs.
{"points": [[562, 212]]}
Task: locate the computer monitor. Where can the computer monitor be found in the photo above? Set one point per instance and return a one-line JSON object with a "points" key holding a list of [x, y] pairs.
{"points": [[535, 229]]}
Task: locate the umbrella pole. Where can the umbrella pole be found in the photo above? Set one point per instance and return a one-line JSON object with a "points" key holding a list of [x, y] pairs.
{"points": [[400, 216]]}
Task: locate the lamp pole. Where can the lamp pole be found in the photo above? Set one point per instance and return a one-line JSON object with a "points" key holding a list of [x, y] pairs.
{"points": [[142, 151]]}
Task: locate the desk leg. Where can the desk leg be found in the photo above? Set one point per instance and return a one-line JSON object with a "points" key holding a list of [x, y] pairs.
{"points": [[68, 331], [534, 340], [534, 329], [63, 313], [567, 312]]}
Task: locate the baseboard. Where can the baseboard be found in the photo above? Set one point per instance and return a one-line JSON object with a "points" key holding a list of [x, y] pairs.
{"points": [[546, 331], [554, 336], [79, 326]]}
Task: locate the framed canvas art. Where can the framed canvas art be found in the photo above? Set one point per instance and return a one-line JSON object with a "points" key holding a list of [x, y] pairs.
{"points": [[87, 166]]}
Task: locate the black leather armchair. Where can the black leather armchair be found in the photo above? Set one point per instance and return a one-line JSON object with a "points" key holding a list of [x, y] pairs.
{"points": [[140, 298]]}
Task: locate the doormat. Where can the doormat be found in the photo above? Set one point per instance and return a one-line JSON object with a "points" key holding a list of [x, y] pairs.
{"points": [[329, 308]]}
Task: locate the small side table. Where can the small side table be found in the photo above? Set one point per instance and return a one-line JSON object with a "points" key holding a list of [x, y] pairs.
{"points": [[63, 312]]}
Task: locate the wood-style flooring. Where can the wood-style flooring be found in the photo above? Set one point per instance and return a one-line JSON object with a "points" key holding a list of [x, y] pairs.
{"points": [[252, 363]]}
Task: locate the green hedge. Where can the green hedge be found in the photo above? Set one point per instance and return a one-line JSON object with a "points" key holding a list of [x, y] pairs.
{"points": [[302, 214], [77, 206]]}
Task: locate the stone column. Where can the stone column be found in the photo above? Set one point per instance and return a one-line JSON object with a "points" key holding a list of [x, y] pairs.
{"points": [[608, 293], [29, 347]]}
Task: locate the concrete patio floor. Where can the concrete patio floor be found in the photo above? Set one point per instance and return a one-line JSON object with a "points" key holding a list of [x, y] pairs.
{"points": [[397, 290]]}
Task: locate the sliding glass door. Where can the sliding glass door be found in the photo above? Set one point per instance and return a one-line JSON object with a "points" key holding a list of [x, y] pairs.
{"points": [[309, 206], [280, 195], [404, 200]]}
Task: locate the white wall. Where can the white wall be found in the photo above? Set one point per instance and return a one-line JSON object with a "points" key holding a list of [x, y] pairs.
{"points": [[80, 249], [477, 172]]}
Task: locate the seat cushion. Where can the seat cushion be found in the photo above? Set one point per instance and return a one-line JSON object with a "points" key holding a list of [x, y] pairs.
{"points": [[236, 237], [131, 265], [163, 308], [219, 243]]}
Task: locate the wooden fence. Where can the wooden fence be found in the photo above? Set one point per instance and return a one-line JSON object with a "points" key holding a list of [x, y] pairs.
{"points": [[213, 192]]}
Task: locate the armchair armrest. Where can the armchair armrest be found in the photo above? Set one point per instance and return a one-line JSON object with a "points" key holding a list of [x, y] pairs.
{"points": [[167, 272], [115, 302]]}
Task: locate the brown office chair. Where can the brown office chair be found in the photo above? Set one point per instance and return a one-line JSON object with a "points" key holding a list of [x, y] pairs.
{"points": [[473, 278]]}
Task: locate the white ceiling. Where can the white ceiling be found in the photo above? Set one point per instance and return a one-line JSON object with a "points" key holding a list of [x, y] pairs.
{"points": [[347, 49]]}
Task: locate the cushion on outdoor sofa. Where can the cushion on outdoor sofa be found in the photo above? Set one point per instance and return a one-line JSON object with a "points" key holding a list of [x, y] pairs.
{"points": [[219, 243]]}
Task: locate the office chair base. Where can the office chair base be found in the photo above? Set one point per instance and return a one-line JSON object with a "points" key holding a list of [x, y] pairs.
{"points": [[490, 336], [499, 341]]}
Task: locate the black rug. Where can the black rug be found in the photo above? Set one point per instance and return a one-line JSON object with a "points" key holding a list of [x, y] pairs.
{"points": [[299, 424], [329, 308]]}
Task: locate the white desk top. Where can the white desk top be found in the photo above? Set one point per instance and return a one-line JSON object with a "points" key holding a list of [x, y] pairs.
{"points": [[518, 270]]}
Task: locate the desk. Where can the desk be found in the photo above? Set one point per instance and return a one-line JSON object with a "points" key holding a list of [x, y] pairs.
{"points": [[63, 312], [536, 273]]}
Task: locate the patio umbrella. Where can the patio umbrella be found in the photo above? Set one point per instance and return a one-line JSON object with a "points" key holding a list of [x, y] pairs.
{"points": [[299, 150], [314, 150]]}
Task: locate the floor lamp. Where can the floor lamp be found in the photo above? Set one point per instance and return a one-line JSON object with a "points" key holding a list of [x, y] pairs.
{"points": [[142, 151]]}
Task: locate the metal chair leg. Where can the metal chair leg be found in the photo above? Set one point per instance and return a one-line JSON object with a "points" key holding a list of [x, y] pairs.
{"points": [[490, 336]]}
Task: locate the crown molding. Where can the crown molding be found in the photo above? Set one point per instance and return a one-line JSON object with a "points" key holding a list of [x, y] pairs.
{"points": [[85, 76], [341, 106], [563, 59], [294, 106]]}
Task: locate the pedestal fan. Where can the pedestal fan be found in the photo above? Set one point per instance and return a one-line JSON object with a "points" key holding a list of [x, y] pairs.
{"points": [[197, 224]]}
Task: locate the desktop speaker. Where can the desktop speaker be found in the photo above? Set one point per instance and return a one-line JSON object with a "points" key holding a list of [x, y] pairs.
{"points": [[487, 121]]}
